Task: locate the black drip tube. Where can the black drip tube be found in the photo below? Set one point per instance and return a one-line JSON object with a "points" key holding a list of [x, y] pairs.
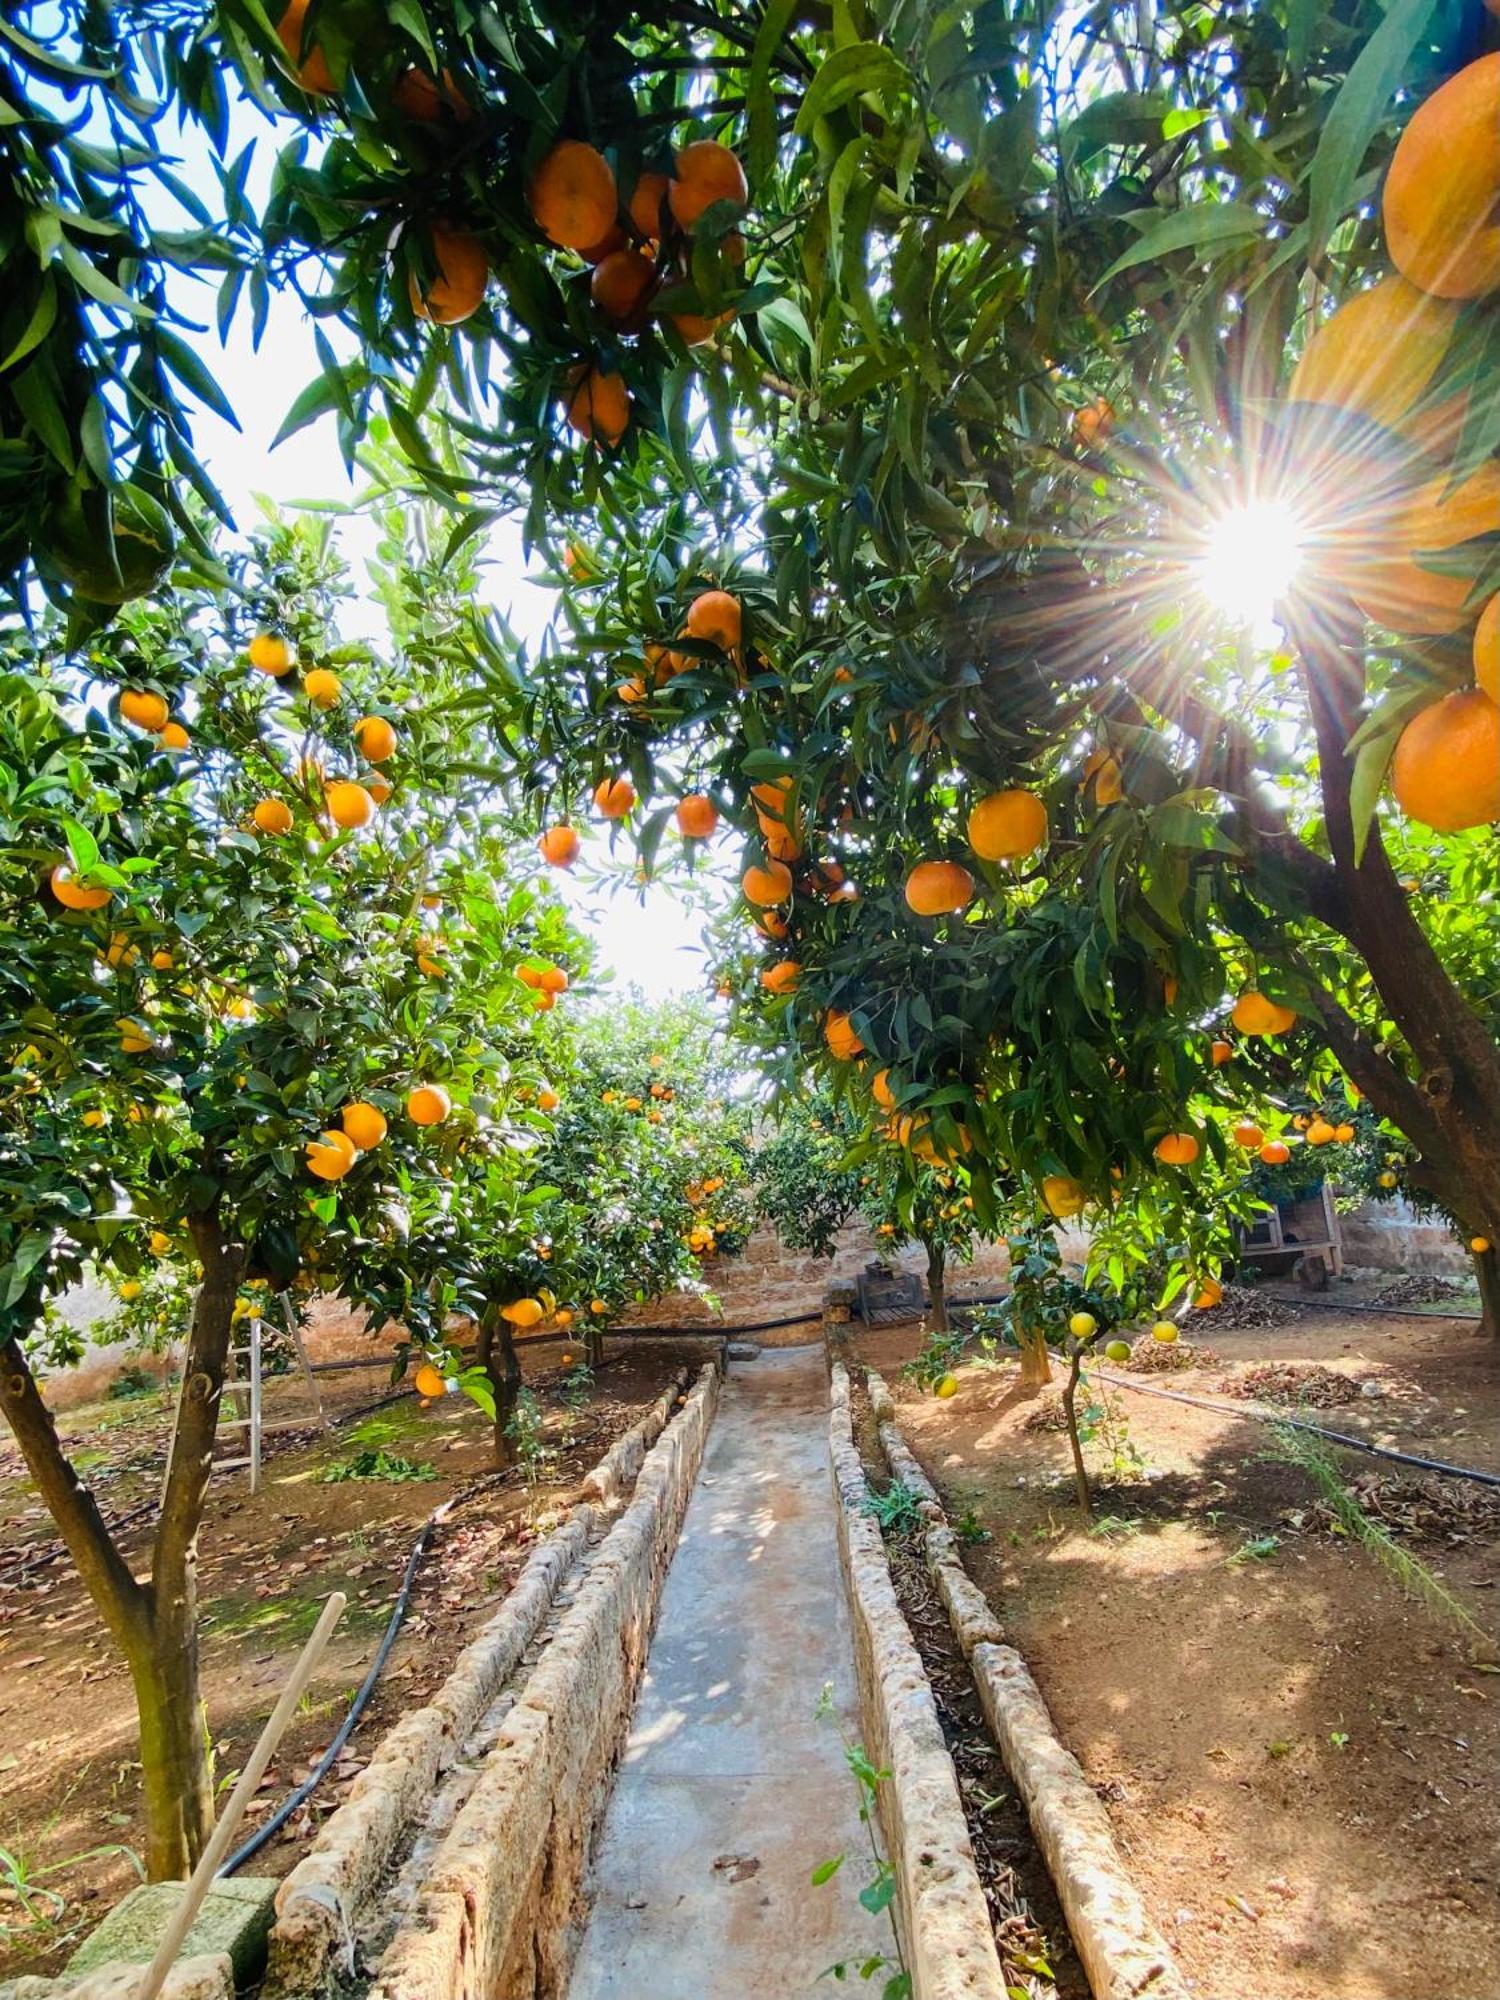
{"points": [[1302, 1424]]}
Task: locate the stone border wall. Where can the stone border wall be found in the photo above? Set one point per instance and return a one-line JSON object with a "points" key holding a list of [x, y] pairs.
{"points": [[499, 1913], [944, 1920], [319, 1901], [1123, 1953]]}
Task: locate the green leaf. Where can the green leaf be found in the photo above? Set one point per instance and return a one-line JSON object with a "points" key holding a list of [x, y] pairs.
{"points": [[1355, 114], [860, 69], [826, 1870], [760, 148], [43, 318], [1209, 225]]}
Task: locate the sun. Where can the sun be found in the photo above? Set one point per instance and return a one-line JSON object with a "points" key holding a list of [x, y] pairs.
{"points": [[1250, 559]]}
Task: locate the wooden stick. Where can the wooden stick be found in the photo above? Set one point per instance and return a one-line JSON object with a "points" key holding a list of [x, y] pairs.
{"points": [[218, 1841]]}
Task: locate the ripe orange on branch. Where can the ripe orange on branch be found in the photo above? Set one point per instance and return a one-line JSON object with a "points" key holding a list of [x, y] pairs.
{"points": [[1006, 825], [622, 283], [839, 1034], [463, 273], [364, 1124], [1446, 770], [768, 884], [572, 195], [145, 709], [1248, 1134], [599, 405], [559, 846], [272, 816], [331, 1156], [1440, 193], [1177, 1149], [348, 805], [613, 797], [1398, 584], [270, 654], [781, 977], [376, 738], [715, 615], [428, 1104], [939, 888], [322, 687], [1254, 1014], [311, 71], [704, 173], [1275, 1152], [696, 816], [1377, 353], [647, 202], [72, 894]]}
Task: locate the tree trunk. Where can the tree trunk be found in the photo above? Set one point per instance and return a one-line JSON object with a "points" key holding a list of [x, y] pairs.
{"points": [[596, 1344], [153, 1622], [1452, 1110], [1036, 1362], [1070, 1411], [496, 1352], [1487, 1269], [937, 1291]]}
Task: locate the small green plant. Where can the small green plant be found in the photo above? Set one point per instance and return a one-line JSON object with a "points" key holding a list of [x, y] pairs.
{"points": [[897, 1509], [879, 1892], [1256, 1548], [377, 1464], [1300, 1448], [940, 1353], [1103, 1422], [527, 1435], [132, 1382], [577, 1384], [969, 1529], [44, 1908], [1109, 1526], [1338, 1739]]}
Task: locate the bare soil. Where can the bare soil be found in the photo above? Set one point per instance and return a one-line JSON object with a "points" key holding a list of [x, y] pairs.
{"points": [[69, 1782], [1297, 1757]]}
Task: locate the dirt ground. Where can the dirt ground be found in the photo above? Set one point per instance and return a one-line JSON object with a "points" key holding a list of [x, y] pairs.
{"points": [[1298, 1758], [69, 1782]]}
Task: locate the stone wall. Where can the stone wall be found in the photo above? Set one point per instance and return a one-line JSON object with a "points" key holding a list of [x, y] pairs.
{"points": [[1390, 1236]]}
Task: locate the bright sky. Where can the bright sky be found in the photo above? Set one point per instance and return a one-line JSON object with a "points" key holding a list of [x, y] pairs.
{"points": [[653, 940]]}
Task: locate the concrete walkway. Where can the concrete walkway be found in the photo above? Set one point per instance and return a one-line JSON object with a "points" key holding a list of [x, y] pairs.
{"points": [[732, 1790]]}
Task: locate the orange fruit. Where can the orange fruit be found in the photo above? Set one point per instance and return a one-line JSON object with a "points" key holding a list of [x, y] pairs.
{"points": [[376, 738], [1104, 769], [1320, 1132], [322, 687], [622, 283], [173, 737], [647, 201], [524, 1312], [1378, 352], [363, 1124], [1093, 423], [1254, 1014], [348, 805], [560, 846], [428, 1381], [572, 195], [1248, 1134], [1439, 200], [939, 888], [1343, 1133], [612, 240], [1006, 825], [378, 786], [463, 273], [529, 976], [697, 816], [135, 1039], [1396, 583], [1479, 1245], [144, 709], [71, 893], [1446, 770], [698, 328], [1209, 1294], [1063, 1197], [613, 797], [417, 95], [161, 961], [312, 72], [1221, 1052], [880, 1090], [633, 690], [703, 173], [331, 1157], [838, 1032], [599, 405], [272, 816], [767, 885], [773, 924], [772, 804], [270, 654], [547, 1099], [552, 979], [1275, 1152], [1487, 649], [781, 977], [545, 1001], [715, 615], [428, 1104], [1177, 1149]]}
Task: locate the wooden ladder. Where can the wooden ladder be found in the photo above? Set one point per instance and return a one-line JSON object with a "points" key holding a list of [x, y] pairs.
{"points": [[247, 1389]]}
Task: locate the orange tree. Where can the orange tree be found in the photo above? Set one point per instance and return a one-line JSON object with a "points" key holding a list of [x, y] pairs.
{"points": [[258, 933], [1012, 318]]}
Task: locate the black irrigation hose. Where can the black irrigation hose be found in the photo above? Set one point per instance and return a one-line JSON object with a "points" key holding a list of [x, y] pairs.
{"points": [[325, 1763], [1380, 1312], [1302, 1424], [717, 1331]]}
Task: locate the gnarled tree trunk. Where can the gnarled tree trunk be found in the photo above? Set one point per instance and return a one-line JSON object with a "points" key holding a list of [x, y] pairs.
{"points": [[1036, 1361], [496, 1353], [937, 1287], [153, 1620]]}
